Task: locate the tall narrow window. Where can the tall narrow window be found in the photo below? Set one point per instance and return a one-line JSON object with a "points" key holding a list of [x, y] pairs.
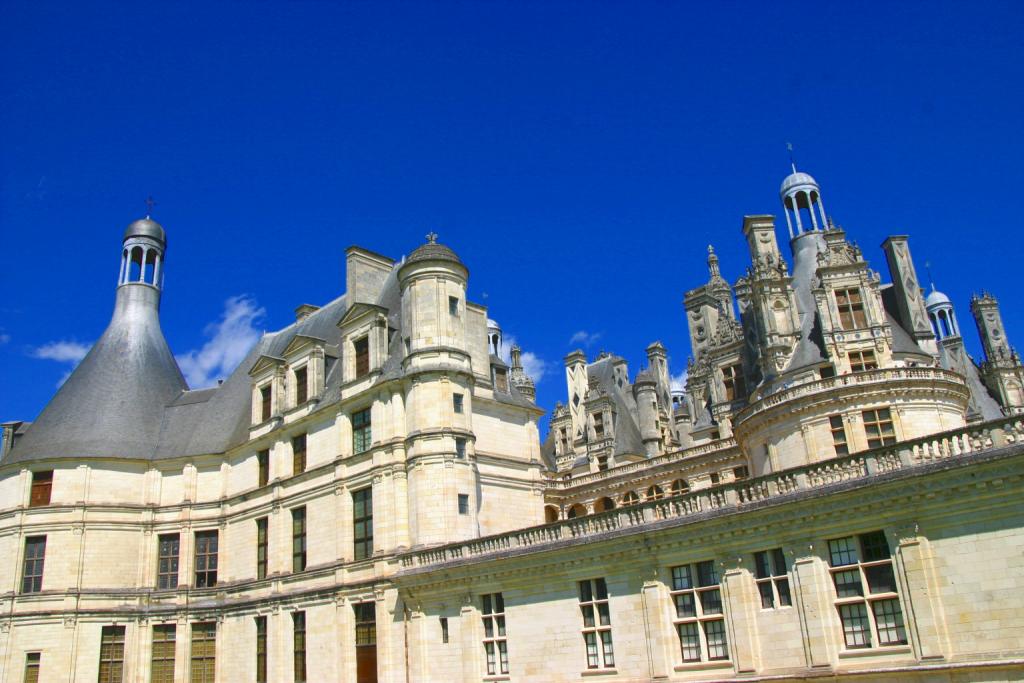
{"points": [[453, 305], [734, 382], [301, 386], [299, 539], [262, 543], [362, 520], [366, 623], [463, 503], [851, 309], [460, 448], [263, 468], [206, 559], [32, 571], [878, 427], [299, 647], [862, 360], [361, 432], [111, 654], [873, 615], [444, 629], [168, 546], [838, 429], [261, 650], [699, 621], [362, 349], [299, 454], [204, 652], [162, 659], [495, 643], [599, 425], [265, 404], [597, 624], [563, 438], [772, 579], [33, 661], [457, 402], [42, 485]]}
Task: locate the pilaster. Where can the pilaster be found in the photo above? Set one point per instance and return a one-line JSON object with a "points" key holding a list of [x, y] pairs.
{"points": [[741, 605], [925, 617], [658, 627], [812, 591]]}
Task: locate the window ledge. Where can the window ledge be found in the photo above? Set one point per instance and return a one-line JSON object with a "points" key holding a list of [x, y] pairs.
{"points": [[493, 679], [702, 666], [599, 672], [874, 651]]}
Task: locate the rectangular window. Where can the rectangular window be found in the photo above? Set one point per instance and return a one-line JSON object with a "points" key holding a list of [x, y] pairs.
{"points": [[111, 654], [42, 485], [716, 478], [206, 559], [263, 468], [361, 433], [851, 309], [453, 305], [457, 402], [597, 624], [772, 579], [463, 504], [265, 403], [862, 360], [362, 519], [299, 539], [299, 454], [867, 597], [501, 380], [839, 442], [878, 427], [32, 571], [460, 448], [741, 472], [366, 623], [563, 437], [362, 349], [444, 629], [204, 652], [698, 616], [162, 658], [599, 425], [301, 386], [168, 546], [33, 661], [734, 382], [495, 642], [299, 646], [262, 543], [261, 650]]}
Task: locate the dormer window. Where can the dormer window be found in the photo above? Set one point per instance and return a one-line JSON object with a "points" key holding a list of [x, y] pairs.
{"points": [[735, 386], [362, 353], [265, 403], [301, 386], [599, 425], [851, 309], [501, 380]]}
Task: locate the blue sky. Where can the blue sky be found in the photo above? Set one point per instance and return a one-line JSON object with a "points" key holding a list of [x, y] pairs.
{"points": [[578, 156]]}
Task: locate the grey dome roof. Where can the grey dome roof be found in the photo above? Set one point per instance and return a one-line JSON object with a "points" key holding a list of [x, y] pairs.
{"points": [[146, 227], [432, 251], [936, 298], [794, 179]]}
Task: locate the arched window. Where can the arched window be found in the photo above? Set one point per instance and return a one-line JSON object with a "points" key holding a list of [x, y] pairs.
{"points": [[576, 510], [550, 514], [679, 487], [655, 493], [604, 505], [630, 498]]}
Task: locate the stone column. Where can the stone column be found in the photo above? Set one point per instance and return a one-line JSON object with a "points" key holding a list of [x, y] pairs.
{"points": [[742, 603], [658, 627], [922, 599], [817, 613]]}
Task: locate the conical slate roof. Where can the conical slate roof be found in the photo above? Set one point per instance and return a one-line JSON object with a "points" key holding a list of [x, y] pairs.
{"points": [[113, 404]]}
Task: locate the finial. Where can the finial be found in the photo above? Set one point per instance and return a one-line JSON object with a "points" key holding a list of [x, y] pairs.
{"points": [[150, 203], [431, 237], [792, 163], [928, 269], [712, 262]]}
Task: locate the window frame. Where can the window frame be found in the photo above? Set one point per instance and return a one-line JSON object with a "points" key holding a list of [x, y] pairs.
{"points": [[299, 539], [168, 549], [41, 489], [862, 360], [594, 600], [458, 403], [734, 382], [111, 658], [266, 402], [261, 648], [850, 304], [262, 468], [299, 672], [699, 611], [460, 448], [161, 663], [463, 501], [262, 547], [33, 564], [362, 430], [453, 306], [203, 652], [492, 613], [772, 582], [885, 427], [301, 385], [861, 557], [207, 552], [837, 426], [361, 356], [299, 451], [362, 543]]}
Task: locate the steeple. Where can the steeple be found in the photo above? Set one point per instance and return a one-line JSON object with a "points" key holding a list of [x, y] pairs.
{"points": [[113, 403], [518, 377]]}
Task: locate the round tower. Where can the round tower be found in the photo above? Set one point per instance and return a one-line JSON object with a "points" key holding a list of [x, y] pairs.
{"points": [[645, 391], [941, 314], [801, 199]]}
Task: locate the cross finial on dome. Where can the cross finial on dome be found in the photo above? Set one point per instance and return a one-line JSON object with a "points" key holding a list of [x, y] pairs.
{"points": [[431, 237], [792, 163], [150, 203]]}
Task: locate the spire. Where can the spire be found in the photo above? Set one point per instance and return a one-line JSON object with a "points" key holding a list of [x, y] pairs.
{"points": [[518, 377], [713, 263]]}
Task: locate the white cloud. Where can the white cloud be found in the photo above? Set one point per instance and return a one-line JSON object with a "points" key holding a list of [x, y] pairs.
{"points": [[678, 382], [533, 365], [231, 337], [585, 338], [62, 352]]}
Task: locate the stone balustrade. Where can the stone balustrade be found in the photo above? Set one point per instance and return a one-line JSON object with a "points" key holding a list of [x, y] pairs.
{"points": [[865, 464]]}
